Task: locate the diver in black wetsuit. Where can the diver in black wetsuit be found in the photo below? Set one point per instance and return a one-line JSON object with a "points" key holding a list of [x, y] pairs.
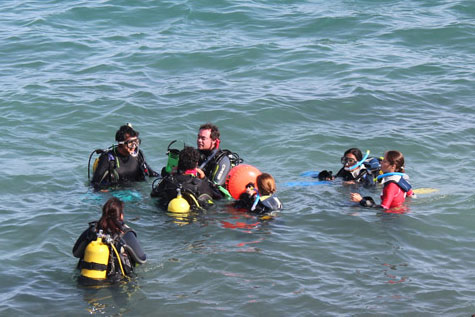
{"points": [[186, 178], [123, 163], [123, 240]]}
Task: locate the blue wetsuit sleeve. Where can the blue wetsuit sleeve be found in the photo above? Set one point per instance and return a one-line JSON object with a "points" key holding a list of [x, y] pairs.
{"points": [[132, 246]]}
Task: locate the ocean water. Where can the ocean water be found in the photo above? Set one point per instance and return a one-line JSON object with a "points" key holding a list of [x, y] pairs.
{"points": [[291, 85]]}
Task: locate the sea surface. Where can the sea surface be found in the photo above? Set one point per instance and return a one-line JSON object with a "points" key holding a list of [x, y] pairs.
{"points": [[291, 85]]}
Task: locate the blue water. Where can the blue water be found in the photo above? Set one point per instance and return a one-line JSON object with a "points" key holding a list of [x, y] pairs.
{"points": [[292, 85]]}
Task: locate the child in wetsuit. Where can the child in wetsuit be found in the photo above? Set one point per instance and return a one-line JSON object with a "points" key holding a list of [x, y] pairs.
{"points": [[261, 199], [395, 184]]}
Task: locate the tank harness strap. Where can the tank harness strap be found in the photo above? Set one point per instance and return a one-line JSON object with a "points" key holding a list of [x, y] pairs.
{"points": [[209, 158], [92, 266], [113, 158], [191, 199]]}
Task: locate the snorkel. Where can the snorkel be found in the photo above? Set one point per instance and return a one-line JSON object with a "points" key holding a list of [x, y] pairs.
{"points": [[390, 174], [251, 188], [358, 164]]}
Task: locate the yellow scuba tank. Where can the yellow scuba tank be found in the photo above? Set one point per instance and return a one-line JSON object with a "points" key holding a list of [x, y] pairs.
{"points": [[96, 258], [94, 166], [179, 204]]}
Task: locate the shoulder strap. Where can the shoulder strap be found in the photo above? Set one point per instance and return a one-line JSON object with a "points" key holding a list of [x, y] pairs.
{"points": [[402, 183], [211, 157]]}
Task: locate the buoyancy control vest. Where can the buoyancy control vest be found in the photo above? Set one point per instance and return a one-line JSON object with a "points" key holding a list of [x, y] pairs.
{"points": [[270, 203], [233, 157], [198, 192], [217, 163], [401, 181], [258, 204], [370, 172], [111, 175]]}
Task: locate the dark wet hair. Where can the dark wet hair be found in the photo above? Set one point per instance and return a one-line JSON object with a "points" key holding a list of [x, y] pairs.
{"points": [[395, 158], [188, 158], [266, 184], [356, 152], [214, 130], [123, 131], [112, 212]]}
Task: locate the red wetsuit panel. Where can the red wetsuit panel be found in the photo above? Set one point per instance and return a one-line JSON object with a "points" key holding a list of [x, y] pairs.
{"points": [[393, 196]]}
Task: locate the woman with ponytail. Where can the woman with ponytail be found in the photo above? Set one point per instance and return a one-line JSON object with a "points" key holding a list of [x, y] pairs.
{"points": [[124, 248], [395, 182]]}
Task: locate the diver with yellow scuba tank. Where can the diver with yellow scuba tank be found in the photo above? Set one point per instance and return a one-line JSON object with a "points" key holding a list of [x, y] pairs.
{"points": [[200, 193], [122, 163], [108, 250]]}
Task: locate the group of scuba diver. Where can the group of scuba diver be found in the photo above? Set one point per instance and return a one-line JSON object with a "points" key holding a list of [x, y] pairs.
{"points": [[192, 180]]}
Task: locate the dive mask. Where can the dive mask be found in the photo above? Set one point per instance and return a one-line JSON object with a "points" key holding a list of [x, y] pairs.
{"points": [[347, 160], [132, 144]]}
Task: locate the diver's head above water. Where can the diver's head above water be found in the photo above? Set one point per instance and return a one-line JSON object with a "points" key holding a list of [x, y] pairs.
{"points": [[351, 157], [128, 140], [208, 137]]}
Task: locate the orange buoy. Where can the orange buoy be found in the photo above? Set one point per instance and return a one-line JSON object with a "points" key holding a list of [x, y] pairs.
{"points": [[239, 177]]}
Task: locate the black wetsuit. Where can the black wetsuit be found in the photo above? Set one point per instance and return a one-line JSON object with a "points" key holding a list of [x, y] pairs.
{"points": [[362, 177], [126, 244], [114, 168], [365, 175], [217, 168], [202, 189]]}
